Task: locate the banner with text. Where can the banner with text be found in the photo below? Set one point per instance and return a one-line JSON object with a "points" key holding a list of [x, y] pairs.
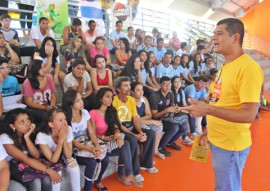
{"points": [[121, 12]]}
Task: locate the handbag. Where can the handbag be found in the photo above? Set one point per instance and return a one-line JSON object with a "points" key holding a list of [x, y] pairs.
{"points": [[83, 139], [179, 118], [21, 172]]}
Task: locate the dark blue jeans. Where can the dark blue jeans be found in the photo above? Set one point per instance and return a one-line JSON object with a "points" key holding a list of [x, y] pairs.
{"points": [[172, 131], [124, 161], [192, 124], [148, 149], [134, 151], [90, 165]]}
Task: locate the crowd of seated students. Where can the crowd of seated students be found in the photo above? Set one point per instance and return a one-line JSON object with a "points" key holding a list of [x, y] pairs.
{"points": [[134, 113]]}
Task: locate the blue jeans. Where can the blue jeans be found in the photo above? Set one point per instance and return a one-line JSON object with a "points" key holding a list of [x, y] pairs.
{"points": [[124, 161], [228, 167], [90, 164], [172, 131], [192, 124]]}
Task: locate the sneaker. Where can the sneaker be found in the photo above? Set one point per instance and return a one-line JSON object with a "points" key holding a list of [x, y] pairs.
{"points": [[174, 146], [139, 178], [152, 170], [187, 141], [159, 155], [192, 135], [165, 152]]}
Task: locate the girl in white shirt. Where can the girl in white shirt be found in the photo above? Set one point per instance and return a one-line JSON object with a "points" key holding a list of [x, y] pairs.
{"points": [[18, 144], [56, 138]]}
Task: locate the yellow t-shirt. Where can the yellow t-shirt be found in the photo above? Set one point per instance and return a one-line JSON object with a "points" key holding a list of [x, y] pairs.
{"points": [[125, 111], [237, 82]]}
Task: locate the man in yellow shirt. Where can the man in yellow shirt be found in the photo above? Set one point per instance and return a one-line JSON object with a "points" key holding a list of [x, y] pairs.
{"points": [[129, 118], [233, 106]]}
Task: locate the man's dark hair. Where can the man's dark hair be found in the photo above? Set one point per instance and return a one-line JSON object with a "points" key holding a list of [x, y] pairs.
{"points": [[183, 44], [5, 16], [147, 36], [199, 41], [117, 22], [200, 47], [154, 30], [119, 80], [213, 71], [160, 39], [164, 79], [76, 22], [203, 78], [3, 60], [41, 19], [131, 27], [78, 61], [168, 53], [90, 22], [234, 26]]}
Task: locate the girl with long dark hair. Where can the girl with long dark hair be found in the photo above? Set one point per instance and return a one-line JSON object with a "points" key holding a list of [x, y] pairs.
{"points": [[123, 53], [49, 55], [195, 67], [180, 100], [105, 121], [23, 155], [55, 142], [87, 151], [185, 68], [38, 91]]}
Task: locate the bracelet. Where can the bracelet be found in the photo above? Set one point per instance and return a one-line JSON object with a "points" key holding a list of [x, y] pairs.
{"points": [[102, 137], [46, 170]]}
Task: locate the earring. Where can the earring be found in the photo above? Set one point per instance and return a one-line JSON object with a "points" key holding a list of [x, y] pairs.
{"points": [[14, 129]]}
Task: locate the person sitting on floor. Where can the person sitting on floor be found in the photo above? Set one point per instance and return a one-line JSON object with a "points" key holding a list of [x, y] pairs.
{"points": [[90, 35]]}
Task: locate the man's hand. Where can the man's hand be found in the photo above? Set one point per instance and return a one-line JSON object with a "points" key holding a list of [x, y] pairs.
{"points": [[196, 108]]}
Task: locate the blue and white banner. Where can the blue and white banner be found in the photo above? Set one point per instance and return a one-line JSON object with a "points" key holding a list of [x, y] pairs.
{"points": [[92, 11]]}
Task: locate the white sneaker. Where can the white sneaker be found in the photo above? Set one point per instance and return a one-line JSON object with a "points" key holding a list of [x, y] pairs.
{"points": [[192, 135], [152, 170], [187, 141], [199, 132], [139, 178]]}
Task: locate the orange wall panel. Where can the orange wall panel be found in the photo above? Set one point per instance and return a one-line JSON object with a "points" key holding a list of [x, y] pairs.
{"points": [[257, 21]]}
